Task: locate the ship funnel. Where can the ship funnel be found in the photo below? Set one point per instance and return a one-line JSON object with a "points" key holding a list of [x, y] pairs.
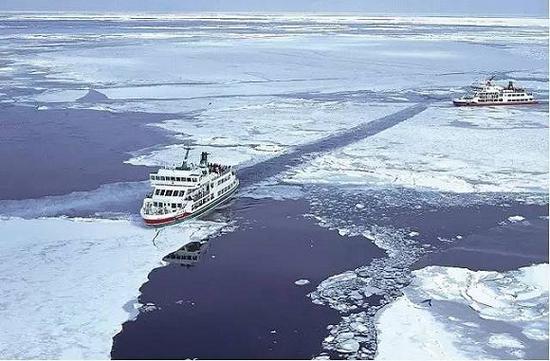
{"points": [[510, 85], [204, 159]]}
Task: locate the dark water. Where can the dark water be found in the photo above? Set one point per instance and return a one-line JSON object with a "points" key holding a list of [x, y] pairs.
{"points": [[50, 152], [461, 230], [227, 305], [504, 247], [243, 289]]}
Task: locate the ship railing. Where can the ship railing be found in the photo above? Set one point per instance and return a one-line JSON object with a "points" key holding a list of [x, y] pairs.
{"points": [[218, 168]]}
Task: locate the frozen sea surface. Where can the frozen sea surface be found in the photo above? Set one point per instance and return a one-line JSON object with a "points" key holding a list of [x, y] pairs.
{"points": [[247, 130], [455, 313], [452, 150], [252, 88]]}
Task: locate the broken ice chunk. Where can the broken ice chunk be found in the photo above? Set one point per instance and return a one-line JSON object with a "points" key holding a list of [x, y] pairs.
{"points": [[348, 346], [514, 219]]}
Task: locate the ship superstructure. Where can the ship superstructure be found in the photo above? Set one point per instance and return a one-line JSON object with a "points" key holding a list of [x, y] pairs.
{"points": [[492, 94], [187, 191]]}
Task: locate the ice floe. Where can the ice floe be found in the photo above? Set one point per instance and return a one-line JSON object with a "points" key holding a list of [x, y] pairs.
{"points": [[514, 219], [68, 284], [510, 311], [301, 282]]}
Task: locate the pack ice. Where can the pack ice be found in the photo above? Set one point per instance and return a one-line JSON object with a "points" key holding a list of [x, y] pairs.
{"points": [[452, 150]]}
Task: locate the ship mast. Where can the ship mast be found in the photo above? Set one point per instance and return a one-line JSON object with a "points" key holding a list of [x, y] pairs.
{"points": [[184, 165]]}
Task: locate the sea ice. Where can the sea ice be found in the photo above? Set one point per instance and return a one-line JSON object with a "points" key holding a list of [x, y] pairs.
{"points": [[249, 129], [452, 150], [68, 284], [301, 282], [517, 299]]}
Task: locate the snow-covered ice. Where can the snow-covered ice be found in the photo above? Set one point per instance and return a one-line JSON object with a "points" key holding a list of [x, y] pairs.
{"points": [[246, 130], [301, 282], [68, 284], [507, 308], [452, 150]]}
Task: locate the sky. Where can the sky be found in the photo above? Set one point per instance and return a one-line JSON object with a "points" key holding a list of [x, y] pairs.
{"points": [[536, 8]]}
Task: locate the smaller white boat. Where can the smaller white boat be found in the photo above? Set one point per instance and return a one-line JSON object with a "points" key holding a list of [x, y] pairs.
{"points": [[489, 94], [187, 191]]}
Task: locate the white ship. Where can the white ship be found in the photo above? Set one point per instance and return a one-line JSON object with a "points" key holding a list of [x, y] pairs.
{"points": [[187, 191], [491, 94]]}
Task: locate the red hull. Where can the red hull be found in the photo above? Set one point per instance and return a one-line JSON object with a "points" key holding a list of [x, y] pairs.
{"points": [[165, 221], [460, 104]]}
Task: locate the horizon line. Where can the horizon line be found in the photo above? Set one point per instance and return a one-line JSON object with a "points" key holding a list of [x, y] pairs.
{"points": [[313, 12]]}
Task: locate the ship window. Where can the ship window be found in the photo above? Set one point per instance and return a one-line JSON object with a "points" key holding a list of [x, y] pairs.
{"points": [[168, 193], [157, 192], [194, 179], [173, 205], [162, 192], [152, 177]]}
